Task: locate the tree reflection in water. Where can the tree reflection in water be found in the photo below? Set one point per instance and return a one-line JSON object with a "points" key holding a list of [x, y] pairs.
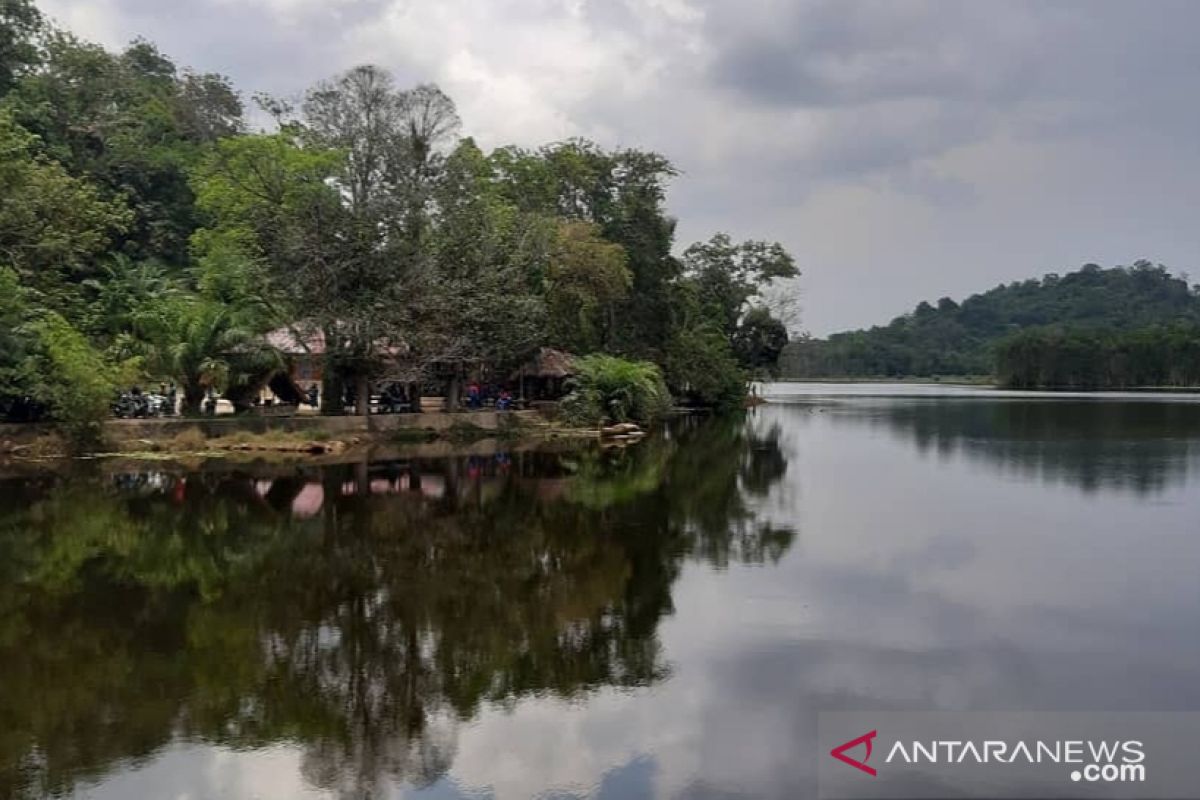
{"points": [[362, 611]]}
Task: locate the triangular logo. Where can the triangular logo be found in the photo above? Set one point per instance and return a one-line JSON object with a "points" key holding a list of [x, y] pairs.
{"points": [[839, 753]]}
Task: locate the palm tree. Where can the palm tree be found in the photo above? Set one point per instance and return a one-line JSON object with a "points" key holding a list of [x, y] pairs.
{"points": [[203, 343]]}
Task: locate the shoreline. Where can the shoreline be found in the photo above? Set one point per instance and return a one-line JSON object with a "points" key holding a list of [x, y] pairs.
{"points": [[988, 384], [307, 438]]}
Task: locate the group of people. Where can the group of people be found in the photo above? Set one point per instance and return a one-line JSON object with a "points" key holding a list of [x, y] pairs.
{"points": [[478, 397], [393, 399]]}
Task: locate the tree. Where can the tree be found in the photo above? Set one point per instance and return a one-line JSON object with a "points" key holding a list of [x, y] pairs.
{"points": [[728, 275], [52, 225], [16, 373], [74, 379], [390, 141], [203, 344], [134, 126], [959, 339], [586, 281], [487, 258], [20, 22], [622, 193], [759, 340]]}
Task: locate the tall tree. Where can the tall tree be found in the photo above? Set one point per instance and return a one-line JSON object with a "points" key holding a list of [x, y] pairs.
{"points": [[588, 278], [392, 143], [20, 22], [729, 275], [623, 194], [131, 124], [52, 225]]}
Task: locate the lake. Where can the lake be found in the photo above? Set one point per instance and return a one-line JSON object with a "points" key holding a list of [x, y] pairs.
{"points": [[662, 621]]}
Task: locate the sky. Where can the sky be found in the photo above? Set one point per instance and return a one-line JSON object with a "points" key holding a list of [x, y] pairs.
{"points": [[902, 150]]}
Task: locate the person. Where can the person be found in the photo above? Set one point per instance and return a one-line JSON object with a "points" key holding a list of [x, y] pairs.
{"points": [[504, 403], [210, 402], [389, 399], [314, 396], [473, 395], [172, 399], [141, 408]]}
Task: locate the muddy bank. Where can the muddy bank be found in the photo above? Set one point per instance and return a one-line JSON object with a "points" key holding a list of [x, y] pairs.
{"points": [[285, 437]]}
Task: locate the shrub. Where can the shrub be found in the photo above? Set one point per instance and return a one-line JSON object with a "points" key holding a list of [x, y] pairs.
{"points": [[74, 380], [610, 389], [701, 366]]}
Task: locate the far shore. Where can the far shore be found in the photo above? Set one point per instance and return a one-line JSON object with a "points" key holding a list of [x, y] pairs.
{"points": [[985, 382]]}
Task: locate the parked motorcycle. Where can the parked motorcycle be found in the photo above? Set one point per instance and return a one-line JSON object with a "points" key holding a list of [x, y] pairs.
{"points": [[137, 405]]}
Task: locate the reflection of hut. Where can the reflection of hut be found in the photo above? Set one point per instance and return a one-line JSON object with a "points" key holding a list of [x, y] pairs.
{"points": [[544, 376]]}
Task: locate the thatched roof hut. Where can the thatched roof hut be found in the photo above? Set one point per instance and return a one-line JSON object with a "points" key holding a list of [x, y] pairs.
{"points": [[548, 363], [544, 375]]}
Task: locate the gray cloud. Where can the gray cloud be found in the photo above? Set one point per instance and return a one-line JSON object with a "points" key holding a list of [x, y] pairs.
{"points": [[903, 149]]}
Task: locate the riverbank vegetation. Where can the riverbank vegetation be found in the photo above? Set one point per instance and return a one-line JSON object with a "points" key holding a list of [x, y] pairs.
{"points": [[1101, 306], [608, 389], [164, 238], [1082, 358]]}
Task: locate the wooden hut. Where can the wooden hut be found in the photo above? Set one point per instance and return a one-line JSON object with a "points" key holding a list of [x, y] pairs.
{"points": [[544, 376]]}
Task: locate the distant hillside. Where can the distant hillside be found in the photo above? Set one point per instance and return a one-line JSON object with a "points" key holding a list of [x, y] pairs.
{"points": [[959, 339]]}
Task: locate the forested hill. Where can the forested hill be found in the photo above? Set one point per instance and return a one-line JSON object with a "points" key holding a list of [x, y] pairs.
{"points": [[950, 338]]}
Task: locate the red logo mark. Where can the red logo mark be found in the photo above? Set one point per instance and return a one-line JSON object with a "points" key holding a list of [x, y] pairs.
{"points": [[839, 753]]}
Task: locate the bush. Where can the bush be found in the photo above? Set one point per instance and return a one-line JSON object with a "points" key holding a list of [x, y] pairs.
{"points": [[74, 380], [701, 366], [610, 389]]}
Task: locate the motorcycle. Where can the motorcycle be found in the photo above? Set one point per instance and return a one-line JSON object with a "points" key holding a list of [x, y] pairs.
{"points": [[136, 405]]}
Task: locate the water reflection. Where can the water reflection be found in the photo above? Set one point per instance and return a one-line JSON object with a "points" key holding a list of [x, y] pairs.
{"points": [[361, 611], [1142, 447]]}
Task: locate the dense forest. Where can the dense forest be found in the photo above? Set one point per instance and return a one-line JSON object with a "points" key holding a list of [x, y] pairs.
{"points": [[1136, 309], [147, 233], [1074, 358]]}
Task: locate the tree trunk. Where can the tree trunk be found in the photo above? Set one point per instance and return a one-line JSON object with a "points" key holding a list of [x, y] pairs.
{"points": [[453, 392], [362, 401], [332, 390], [193, 397]]}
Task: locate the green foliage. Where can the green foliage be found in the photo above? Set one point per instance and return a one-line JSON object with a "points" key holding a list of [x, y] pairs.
{"points": [[957, 339], [728, 275], [74, 380], [20, 22], [1087, 358], [134, 204], [622, 193], [486, 255], [133, 126], [610, 389], [759, 340], [52, 225], [586, 281], [702, 368], [16, 376], [203, 343]]}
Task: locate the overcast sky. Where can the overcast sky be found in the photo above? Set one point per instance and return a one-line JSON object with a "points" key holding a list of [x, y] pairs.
{"points": [[902, 150]]}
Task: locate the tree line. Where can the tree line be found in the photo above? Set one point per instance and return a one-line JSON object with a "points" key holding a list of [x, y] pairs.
{"points": [[146, 232], [1081, 358], [959, 339]]}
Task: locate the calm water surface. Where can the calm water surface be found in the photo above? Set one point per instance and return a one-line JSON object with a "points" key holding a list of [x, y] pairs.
{"points": [[659, 622]]}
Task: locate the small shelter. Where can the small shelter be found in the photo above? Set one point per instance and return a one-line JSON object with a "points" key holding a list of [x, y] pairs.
{"points": [[543, 377], [304, 351]]}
